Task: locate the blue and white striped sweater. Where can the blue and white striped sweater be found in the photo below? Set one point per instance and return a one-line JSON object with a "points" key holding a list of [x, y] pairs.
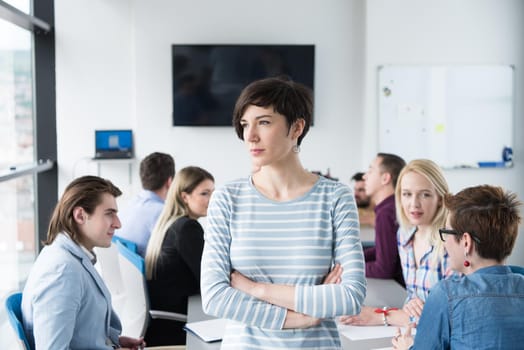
{"points": [[292, 243]]}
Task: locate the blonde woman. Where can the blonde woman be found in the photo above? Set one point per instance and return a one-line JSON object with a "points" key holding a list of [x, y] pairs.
{"points": [[174, 252], [420, 212]]}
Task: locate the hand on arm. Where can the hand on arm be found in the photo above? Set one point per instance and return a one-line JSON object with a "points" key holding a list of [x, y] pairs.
{"points": [[334, 276], [413, 308], [270, 293], [368, 317], [276, 294], [298, 320], [263, 291]]}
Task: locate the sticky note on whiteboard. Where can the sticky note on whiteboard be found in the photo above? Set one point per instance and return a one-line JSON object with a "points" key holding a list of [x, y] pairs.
{"points": [[440, 128]]}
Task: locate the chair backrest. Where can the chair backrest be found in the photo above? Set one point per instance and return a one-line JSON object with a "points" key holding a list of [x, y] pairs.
{"points": [[134, 314], [108, 266], [123, 272], [129, 244], [14, 312]]}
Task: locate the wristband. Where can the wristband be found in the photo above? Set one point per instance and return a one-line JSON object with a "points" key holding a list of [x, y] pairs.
{"points": [[385, 312]]}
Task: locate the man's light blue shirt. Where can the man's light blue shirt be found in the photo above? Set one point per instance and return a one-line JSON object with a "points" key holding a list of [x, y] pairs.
{"points": [[139, 219]]}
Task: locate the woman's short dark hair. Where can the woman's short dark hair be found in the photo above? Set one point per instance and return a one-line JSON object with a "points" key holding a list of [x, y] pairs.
{"points": [[488, 213], [85, 192], [291, 99]]}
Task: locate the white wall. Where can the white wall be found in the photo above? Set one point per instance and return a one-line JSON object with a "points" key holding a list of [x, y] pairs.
{"points": [[134, 88], [95, 81], [336, 30], [113, 71]]}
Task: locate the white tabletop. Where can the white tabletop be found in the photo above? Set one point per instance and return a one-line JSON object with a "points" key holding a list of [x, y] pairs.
{"points": [[379, 293]]}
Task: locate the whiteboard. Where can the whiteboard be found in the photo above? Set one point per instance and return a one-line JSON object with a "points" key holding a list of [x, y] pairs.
{"points": [[455, 115]]}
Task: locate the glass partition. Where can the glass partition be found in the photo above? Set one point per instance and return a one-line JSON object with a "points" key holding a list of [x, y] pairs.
{"points": [[17, 204]]}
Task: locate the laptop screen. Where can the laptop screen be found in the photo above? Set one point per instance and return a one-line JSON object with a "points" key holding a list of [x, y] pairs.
{"points": [[114, 142]]}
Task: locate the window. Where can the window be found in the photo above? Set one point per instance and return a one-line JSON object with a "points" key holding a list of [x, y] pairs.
{"points": [[22, 5], [27, 135]]}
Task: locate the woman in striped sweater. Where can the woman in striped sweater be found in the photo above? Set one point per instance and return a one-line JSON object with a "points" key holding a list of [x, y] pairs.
{"points": [[273, 237]]}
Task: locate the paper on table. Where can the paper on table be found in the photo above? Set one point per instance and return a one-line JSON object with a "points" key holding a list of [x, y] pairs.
{"points": [[209, 330], [367, 332]]}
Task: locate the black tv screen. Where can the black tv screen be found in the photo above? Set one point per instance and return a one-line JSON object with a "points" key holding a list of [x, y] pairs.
{"points": [[207, 79]]}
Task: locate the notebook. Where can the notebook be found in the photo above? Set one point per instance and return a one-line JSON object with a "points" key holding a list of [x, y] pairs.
{"points": [[208, 330], [113, 144]]}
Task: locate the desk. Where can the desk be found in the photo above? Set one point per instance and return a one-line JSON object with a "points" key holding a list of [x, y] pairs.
{"points": [[195, 313], [379, 293], [367, 344]]}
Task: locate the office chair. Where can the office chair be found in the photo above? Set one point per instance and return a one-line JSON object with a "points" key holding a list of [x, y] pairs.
{"points": [[129, 244], [123, 272], [133, 270], [134, 312], [108, 267], [14, 312]]}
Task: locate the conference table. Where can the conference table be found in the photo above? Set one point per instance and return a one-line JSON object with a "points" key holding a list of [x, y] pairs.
{"points": [[379, 293]]}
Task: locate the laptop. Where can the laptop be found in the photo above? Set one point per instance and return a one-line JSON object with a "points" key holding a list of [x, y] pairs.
{"points": [[114, 144]]}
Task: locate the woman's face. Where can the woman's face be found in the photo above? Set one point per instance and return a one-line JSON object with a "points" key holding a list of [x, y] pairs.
{"points": [[419, 199], [98, 228], [266, 135], [454, 249], [198, 200]]}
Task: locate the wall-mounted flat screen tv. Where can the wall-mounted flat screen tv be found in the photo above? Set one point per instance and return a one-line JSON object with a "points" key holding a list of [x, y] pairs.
{"points": [[207, 79]]}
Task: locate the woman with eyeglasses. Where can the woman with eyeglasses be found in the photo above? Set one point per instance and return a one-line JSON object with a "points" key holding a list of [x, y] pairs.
{"points": [[420, 212], [483, 308]]}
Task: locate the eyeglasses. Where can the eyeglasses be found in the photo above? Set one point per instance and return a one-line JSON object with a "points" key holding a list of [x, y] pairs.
{"points": [[445, 231]]}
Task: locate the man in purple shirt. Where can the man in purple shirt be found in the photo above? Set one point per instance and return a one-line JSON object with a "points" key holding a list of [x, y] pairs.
{"points": [[382, 260]]}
